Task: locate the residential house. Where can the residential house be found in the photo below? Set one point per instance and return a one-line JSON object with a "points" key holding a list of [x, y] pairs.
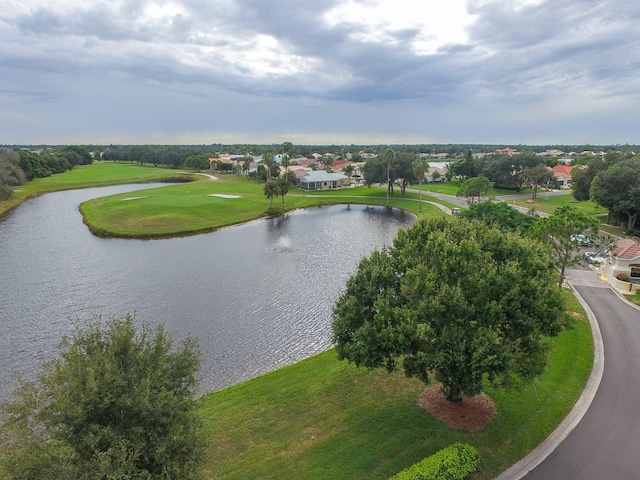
{"points": [[321, 180], [506, 151], [623, 259], [562, 174], [435, 174]]}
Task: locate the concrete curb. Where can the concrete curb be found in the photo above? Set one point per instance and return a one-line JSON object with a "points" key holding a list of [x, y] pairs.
{"points": [[543, 450]]}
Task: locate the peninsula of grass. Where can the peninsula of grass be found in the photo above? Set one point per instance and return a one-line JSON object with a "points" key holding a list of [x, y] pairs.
{"points": [[97, 174], [206, 205], [326, 419]]}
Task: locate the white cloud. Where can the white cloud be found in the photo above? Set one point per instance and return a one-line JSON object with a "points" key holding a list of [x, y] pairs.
{"points": [[435, 23], [481, 70]]}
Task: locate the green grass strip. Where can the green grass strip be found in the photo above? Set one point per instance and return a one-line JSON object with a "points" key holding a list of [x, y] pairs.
{"points": [[326, 419]]}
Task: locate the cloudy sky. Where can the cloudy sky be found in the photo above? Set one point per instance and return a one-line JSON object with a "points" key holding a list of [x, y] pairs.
{"points": [[321, 71]]}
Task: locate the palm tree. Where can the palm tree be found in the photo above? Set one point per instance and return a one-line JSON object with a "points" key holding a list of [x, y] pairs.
{"points": [[271, 190], [389, 155], [420, 167]]}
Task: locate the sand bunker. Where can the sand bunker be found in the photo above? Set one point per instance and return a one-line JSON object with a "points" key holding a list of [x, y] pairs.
{"points": [[223, 195], [132, 198]]}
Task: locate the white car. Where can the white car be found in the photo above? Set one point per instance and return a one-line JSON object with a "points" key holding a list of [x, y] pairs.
{"points": [[580, 239]]}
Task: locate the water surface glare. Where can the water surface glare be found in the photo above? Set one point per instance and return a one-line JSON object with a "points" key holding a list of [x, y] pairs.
{"points": [[258, 295]]}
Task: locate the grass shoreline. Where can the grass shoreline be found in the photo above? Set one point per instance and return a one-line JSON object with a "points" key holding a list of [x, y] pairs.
{"points": [[322, 418]]}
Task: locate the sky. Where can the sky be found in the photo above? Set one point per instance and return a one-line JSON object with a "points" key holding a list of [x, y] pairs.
{"points": [[512, 72]]}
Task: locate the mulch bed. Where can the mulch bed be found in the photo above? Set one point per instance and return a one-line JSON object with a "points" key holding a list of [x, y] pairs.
{"points": [[470, 414]]}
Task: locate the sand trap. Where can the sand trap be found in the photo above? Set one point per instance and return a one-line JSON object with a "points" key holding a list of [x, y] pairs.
{"points": [[223, 195], [132, 198]]}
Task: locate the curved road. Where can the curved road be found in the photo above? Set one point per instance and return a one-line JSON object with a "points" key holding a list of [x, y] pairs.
{"points": [[603, 445]]}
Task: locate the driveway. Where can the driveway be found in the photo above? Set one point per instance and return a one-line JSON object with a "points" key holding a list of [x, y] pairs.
{"points": [[603, 445]]}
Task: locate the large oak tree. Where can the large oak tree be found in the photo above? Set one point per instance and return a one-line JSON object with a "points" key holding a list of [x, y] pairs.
{"points": [[453, 300]]}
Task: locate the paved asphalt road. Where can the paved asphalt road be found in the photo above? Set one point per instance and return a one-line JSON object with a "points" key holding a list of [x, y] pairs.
{"points": [[605, 445]]}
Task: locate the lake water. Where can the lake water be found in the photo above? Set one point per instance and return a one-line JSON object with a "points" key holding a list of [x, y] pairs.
{"points": [[258, 295]]}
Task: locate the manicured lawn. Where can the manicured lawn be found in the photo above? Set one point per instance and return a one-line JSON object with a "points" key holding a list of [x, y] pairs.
{"points": [[326, 419], [452, 187], [549, 204], [194, 207], [97, 174]]}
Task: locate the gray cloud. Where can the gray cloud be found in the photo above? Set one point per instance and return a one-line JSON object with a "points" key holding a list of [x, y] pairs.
{"points": [[517, 68]]}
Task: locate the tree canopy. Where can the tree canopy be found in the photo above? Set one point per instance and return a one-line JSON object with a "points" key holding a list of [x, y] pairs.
{"points": [[453, 299], [117, 403], [475, 187], [500, 214], [559, 232], [618, 189]]}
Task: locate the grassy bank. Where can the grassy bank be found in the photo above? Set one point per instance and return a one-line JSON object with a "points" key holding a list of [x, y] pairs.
{"points": [[326, 419], [206, 205], [98, 174]]}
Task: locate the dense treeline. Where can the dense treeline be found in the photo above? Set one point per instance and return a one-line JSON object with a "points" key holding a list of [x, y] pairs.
{"points": [[19, 166]]}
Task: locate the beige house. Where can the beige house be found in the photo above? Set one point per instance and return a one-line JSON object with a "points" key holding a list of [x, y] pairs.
{"points": [[435, 174], [624, 259]]}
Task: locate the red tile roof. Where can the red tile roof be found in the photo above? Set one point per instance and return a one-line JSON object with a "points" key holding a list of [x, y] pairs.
{"points": [[626, 249]]}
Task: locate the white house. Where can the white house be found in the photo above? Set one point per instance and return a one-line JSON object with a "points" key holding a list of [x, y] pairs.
{"points": [[321, 180], [624, 259]]}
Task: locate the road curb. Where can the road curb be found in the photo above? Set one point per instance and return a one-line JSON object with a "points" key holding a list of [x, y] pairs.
{"points": [[543, 450]]}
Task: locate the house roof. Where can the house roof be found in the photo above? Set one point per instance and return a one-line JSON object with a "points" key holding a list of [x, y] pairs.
{"points": [[322, 176], [626, 249], [562, 171]]}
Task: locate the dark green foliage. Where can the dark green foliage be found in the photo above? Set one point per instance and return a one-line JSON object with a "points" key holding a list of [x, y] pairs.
{"points": [[557, 232], [506, 218], [455, 462], [475, 187], [198, 162], [117, 404], [618, 189], [10, 173], [76, 155], [454, 299]]}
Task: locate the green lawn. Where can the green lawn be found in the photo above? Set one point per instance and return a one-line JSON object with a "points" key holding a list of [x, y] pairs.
{"points": [[97, 174], [549, 204], [191, 208], [452, 187], [326, 419], [635, 298], [322, 418]]}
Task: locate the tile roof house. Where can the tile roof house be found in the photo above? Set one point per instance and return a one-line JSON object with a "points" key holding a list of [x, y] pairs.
{"points": [[562, 173], [625, 259]]}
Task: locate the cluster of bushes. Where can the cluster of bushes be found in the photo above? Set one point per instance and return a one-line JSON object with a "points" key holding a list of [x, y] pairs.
{"points": [[455, 462]]}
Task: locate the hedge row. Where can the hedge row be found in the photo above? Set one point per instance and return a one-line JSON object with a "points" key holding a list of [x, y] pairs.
{"points": [[452, 463]]}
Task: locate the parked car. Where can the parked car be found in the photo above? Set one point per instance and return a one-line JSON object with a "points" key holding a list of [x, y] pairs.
{"points": [[580, 239], [594, 257]]}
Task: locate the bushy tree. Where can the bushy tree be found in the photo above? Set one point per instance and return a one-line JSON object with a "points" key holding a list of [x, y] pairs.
{"points": [[117, 403], [474, 188], [506, 218], [618, 189], [558, 232], [197, 162], [455, 300]]}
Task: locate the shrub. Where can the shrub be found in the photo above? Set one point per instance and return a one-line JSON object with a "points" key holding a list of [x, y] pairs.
{"points": [[624, 277], [452, 463]]}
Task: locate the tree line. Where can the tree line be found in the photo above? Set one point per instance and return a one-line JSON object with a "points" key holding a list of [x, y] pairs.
{"points": [[20, 166]]}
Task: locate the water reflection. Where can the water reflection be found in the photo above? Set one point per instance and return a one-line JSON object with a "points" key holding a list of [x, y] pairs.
{"points": [[257, 295]]}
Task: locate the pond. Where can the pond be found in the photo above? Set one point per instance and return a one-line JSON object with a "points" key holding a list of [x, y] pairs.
{"points": [[258, 296]]}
